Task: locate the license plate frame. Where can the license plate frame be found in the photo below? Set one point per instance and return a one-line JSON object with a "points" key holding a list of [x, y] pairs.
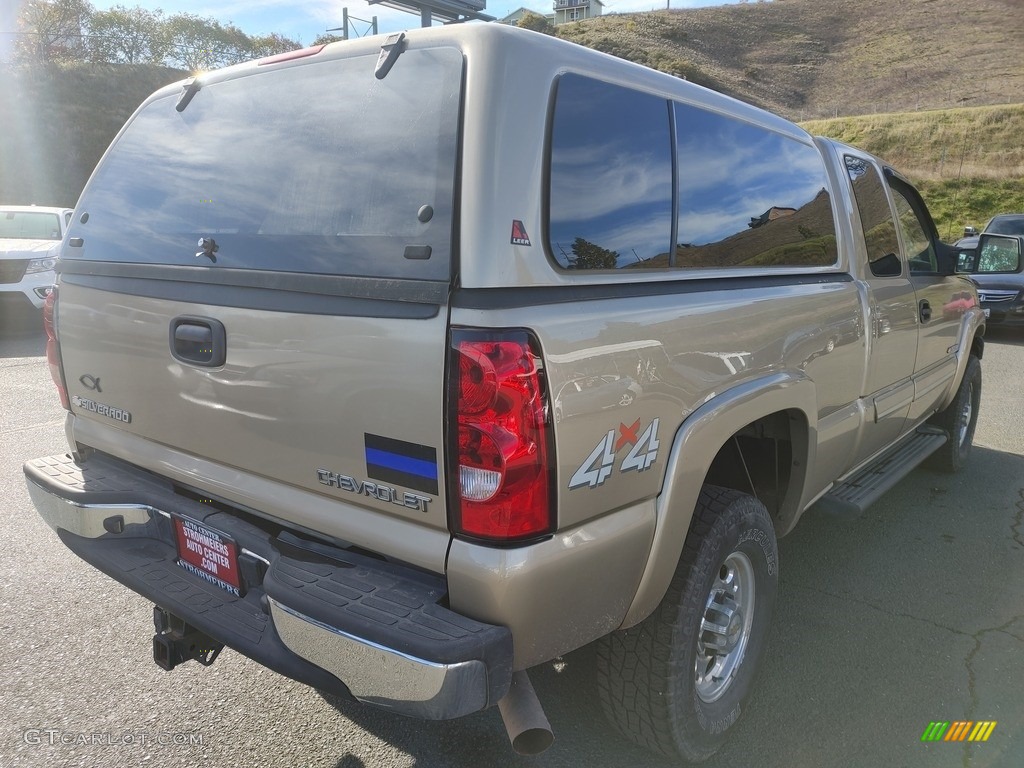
{"points": [[208, 554]]}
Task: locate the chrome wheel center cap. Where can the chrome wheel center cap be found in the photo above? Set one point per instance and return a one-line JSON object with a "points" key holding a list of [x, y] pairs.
{"points": [[723, 625]]}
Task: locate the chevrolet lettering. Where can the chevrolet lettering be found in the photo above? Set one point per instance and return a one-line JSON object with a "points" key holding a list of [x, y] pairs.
{"points": [[374, 490]]}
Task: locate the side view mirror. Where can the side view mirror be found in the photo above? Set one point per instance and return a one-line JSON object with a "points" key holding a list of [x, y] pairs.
{"points": [[997, 253], [948, 258], [970, 231]]}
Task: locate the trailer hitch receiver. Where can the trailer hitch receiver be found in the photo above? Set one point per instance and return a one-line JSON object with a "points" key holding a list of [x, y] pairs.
{"points": [[176, 642]]}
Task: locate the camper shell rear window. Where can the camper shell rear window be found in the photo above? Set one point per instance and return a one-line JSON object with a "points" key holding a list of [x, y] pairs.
{"points": [[318, 168]]}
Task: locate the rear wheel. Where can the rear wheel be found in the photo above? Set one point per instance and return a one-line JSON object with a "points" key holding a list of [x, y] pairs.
{"points": [[959, 420], [677, 682]]}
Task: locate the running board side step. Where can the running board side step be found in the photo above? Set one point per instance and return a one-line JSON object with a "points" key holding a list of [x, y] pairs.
{"points": [[851, 498]]}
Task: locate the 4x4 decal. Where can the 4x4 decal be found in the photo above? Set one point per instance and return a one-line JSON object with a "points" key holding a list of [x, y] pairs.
{"points": [[599, 465]]}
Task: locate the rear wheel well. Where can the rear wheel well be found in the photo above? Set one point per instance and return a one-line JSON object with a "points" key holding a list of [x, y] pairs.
{"points": [[765, 459], [978, 344]]}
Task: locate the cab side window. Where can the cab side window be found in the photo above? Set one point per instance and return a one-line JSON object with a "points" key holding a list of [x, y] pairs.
{"points": [[883, 246], [920, 249]]}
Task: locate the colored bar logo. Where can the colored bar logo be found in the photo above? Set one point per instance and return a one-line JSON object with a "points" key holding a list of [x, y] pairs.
{"points": [[405, 464], [959, 730]]}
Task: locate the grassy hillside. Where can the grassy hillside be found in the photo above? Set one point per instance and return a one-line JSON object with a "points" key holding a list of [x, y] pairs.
{"points": [[955, 204], [934, 64], [809, 59], [800, 58], [968, 163]]}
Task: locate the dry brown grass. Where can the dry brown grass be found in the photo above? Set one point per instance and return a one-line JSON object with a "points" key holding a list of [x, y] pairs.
{"points": [[925, 60], [983, 142], [968, 163], [803, 59], [809, 59]]}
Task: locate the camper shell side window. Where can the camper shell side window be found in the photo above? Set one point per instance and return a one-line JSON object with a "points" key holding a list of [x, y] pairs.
{"points": [[642, 182]]}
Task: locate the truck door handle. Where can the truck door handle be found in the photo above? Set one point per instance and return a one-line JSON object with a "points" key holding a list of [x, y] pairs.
{"points": [[198, 341], [925, 309]]}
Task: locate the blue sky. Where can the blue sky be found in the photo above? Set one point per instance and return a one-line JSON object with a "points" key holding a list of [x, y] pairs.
{"points": [[304, 21]]}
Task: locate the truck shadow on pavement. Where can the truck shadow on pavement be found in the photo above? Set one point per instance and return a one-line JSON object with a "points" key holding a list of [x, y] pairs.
{"points": [[568, 693], [1013, 337], [881, 626]]}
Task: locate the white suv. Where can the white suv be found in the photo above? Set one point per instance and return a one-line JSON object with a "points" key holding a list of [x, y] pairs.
{"points": [[30, 238]]}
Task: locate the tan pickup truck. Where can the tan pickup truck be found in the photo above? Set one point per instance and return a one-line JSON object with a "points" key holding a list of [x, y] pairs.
{"points": [[404, 364]]}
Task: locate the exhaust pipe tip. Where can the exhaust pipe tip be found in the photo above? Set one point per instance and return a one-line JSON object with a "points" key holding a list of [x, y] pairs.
{"points": [[532, 741], [527, 725]]}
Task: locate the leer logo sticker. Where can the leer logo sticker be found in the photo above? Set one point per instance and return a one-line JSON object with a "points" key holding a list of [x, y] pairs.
{"points": [[519, 236], [599, 465]]}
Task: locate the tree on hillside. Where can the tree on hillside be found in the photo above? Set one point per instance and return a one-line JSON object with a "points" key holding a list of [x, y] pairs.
{"points": [[53, 30], [73, 31], [536, 22], [588, 255], [128, 36], [195, 43], [270, 45], [326, 38], [232, 45]]}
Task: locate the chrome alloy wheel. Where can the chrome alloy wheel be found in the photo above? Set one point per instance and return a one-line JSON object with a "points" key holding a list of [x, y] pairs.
{"points": [[724, 627]]}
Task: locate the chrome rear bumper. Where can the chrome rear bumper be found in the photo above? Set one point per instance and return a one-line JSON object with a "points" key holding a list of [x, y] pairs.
{"points": [[337, 620]]}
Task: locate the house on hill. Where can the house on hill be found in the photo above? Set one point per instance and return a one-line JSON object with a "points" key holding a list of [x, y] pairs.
{"points": [[576, 10], [513, 18], [565, 11], [771, 214]]}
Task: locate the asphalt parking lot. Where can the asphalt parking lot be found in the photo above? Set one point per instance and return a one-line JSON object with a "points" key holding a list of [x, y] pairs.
{"points": [[913, 613]]}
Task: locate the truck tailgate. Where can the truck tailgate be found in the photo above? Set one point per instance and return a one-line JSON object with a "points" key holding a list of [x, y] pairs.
{"points": [[346, 407]]}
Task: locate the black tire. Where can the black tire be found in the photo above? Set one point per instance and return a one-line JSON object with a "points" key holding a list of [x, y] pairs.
{"points": [[648, 674], [959, 420]]}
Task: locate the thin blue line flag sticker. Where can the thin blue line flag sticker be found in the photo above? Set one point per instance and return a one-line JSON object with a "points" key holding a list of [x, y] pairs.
{"points": [[408, 465]]}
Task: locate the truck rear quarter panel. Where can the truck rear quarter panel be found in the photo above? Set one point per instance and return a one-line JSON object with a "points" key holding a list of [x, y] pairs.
{"points": [[679, 349], [684, 349]]}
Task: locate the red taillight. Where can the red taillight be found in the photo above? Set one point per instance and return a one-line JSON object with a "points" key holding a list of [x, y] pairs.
{"points": [[53, 346], [501, 476]]}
